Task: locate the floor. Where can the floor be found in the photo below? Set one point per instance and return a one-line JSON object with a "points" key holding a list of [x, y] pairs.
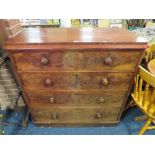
{"points": [[127, 126]]}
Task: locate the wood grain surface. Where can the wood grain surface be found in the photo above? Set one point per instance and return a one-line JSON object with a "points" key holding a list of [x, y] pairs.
{"points": [[76, 81], [75, 99]]}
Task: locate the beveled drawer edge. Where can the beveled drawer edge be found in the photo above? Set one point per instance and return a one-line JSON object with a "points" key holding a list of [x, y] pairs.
{"points": [[73, 45], [78, 71], [64, 90], [112, 123]]}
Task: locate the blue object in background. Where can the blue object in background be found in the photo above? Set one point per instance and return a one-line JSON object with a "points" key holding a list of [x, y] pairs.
{"points": [[95, 22]]}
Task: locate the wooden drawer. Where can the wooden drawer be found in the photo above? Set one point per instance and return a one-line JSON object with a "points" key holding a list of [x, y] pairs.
{"points": [[76, 81], [48, 81], [46, 60], [75, 99], [107, 60], [75, 115], [103, 81]]}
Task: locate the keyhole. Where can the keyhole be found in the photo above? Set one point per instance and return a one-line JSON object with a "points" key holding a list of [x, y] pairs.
{"points": [[77, 80]]}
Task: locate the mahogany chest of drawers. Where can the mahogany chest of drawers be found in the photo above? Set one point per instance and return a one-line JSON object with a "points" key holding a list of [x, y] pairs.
{"points": [[72, 76]]}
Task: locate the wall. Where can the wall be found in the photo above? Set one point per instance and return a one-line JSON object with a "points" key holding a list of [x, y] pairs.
{"points": [[8, 88], [12, 27], [3, 35]]}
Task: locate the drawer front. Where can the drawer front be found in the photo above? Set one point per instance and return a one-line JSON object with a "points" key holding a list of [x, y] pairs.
{"points": [[48, 81], [103, 81], [107, 60], [46, 61], [76, 99], [76, 81], [75, 115]]}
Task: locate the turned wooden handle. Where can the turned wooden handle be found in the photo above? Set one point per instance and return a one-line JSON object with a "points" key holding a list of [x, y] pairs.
{"points": [[108, 61], [105, 81], [44, 60], [52, 100], [48, 82], [98, 115], [55, 116]]}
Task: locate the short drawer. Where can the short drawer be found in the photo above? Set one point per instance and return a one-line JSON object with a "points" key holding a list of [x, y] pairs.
{"points": [[107, 60], [48, 81], [103, 81], [76, 81], [76, 99], [44, 60], [75, 115]]}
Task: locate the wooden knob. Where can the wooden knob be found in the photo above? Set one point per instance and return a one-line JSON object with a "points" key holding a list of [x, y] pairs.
{"points": [[105, 81], [108, 61], [44, 61], [98, 115], [101, 100], [48, 82], [55, 116], [51, 99]]}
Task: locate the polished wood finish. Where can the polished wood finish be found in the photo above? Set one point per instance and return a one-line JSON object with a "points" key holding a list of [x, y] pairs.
{"points": [[75, 99], [76, 81], [66, 60], [75, 76], [72, 115], [76, 35], [44, 60], [107, 60]]}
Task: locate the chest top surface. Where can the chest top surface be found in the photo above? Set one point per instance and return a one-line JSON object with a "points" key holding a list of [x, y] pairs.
{"points": [[75, 36]]}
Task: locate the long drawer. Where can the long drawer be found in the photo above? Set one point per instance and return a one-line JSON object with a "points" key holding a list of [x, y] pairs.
{"points": [[76, 81], [94, 60], [74, 115], [75, 99]]}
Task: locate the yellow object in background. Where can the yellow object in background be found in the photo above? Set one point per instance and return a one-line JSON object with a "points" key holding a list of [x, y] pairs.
{"points": [[100, 23], [76, 22], [144, 97], [143, 94], [50, 21], [151, 66], [149, 23], [103, 23], [53, 21]]}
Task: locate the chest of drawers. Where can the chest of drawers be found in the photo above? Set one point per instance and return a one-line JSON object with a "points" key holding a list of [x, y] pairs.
{"points": [[72, 76]]}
